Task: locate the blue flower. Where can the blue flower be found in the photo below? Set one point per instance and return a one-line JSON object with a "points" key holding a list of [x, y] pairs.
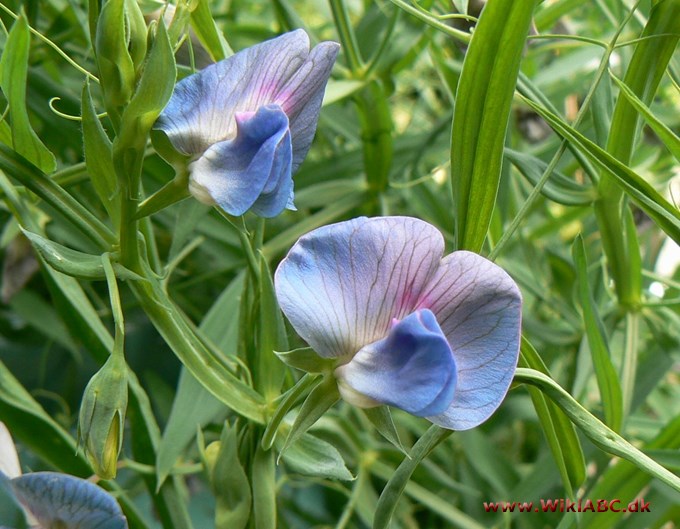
{"points": [[54, 500], [248, 121], [437, 337]]}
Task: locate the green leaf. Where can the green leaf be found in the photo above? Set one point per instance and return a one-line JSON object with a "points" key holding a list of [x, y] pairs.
{"points": [[559, 187], [395, 486], [207, 32], [607, 380], [558, 429], [14, 70], [664, 214], [99, 157], [306, 359], [665, 134], [483, 99], [193, 400], [317, 403], [647, 66], [603, 437], [56, 196], [312, 456], [72, 262], [230, 484], [286, 402]]}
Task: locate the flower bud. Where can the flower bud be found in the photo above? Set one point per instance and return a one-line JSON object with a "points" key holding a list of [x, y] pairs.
{"points": [[120, 44], [102, 416]]}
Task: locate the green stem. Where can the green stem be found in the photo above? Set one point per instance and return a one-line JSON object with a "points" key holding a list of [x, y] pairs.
{"points": [[346, 35], [594, 429]]}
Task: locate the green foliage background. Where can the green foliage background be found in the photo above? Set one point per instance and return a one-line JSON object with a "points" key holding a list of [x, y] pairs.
{"points": [[575, 200]]}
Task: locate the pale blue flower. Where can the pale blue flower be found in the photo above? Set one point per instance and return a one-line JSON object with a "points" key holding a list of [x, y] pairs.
{"points": [[437, 337], [248, 122], [52, 500]]}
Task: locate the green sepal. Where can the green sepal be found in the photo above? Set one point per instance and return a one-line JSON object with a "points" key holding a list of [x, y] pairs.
{"points": [[285, 403], [316, 404], [11, 511], [306, 359], [381, 418], [152, 94], [74, 263], [137, 33], [268, 371]]}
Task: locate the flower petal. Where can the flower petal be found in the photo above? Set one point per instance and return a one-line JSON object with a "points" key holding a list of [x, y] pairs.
{"points": [[479, 309], [302, 95], [202, 107], [341, 285], [234, 173], [413, 368], [76, 503]]}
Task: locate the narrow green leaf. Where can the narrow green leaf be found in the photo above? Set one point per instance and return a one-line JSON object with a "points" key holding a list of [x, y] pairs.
{"points": [[14, 67], [72, 262], [286, 402], [665, 134], [315, 457], [607, 380], [317, 403], [483, 99], [230, 484], [207, 32], [395, 486], [664, 214], [604, 438], [193, 400], [647, 66], [56, 196], [558, 429], [99, 157], [559, 187], [210, 369]]}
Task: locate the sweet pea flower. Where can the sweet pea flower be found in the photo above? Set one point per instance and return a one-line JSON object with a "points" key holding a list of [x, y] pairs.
{"points": [[436, 337], [248, 121], [52, 500]]}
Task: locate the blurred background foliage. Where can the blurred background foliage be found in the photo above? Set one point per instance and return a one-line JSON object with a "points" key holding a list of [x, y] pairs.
{"points": [[383, 147]]}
